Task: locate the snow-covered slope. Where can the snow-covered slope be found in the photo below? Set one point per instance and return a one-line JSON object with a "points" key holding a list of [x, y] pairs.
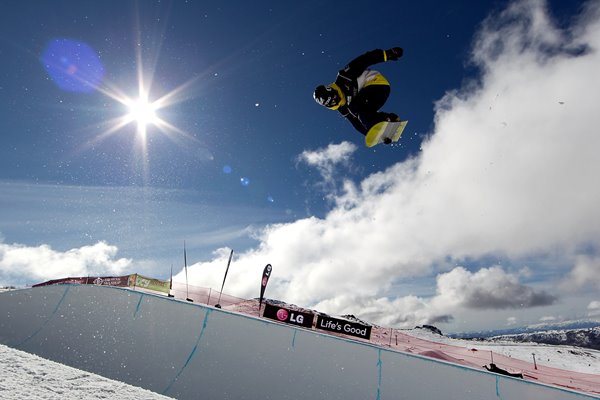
{"points": [[568, 358], [583, 338], [26, 376]]}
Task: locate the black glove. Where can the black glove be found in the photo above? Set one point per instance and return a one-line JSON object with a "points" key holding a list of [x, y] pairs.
{"points": [[394, 53], [387, 140]]}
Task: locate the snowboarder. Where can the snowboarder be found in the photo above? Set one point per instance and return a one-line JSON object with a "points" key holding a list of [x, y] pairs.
{"points": [[358, 92]]}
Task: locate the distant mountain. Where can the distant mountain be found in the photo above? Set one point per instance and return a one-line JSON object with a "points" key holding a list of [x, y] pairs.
{"points": [[584, 334], [561, 326], [587, 338]]}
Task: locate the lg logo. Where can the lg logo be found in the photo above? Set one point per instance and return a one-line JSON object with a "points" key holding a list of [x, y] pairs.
{"points": [[283, 315], [288, 316]]}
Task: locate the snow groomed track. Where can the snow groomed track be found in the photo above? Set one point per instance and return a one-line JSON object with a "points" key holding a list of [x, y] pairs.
{"points": [[191, 351]]}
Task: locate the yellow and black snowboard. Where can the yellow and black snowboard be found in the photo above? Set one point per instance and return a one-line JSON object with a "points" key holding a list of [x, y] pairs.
{"points": [[382, 130]]}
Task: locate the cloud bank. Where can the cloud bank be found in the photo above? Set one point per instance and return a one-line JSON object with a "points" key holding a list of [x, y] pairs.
{"points": [[594, 308], [508, 172], [20, 263]]}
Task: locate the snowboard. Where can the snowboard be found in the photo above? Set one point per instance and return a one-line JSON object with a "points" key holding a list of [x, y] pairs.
{"points": [[381, 130]]}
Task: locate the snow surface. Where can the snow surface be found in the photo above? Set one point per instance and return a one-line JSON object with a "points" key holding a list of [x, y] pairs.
{"points": [[569, 358], [26, 376]]}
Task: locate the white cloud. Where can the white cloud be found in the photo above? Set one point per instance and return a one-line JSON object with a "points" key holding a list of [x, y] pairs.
{"points": [[585, 274], [594, 309], [328, 161], [488, 288], [20, 263], [509, 171], [329, 156], [407, 311]]}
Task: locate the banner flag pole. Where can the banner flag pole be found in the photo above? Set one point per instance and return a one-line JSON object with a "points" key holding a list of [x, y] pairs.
{"points": [[263, 284]]}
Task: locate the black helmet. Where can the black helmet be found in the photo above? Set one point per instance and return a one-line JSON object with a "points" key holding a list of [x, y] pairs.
{"points": [[326, 96]]}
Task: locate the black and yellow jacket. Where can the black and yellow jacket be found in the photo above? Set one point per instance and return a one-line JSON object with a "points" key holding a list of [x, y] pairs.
{"points": [[353, 78]]}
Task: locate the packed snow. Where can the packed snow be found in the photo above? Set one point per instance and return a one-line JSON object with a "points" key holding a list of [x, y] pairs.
{"points": [[569, 358], [26, 376]]}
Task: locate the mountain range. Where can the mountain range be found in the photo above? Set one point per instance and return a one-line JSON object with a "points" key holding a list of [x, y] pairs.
{"points": [[584, 334]]}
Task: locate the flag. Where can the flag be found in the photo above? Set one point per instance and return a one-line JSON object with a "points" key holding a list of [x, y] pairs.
{"points": [[263, 284]]}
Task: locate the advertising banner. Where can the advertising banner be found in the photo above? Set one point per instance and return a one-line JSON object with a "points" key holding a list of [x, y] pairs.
{"points": [[149, 283], [287, 316], [90, 280], [344, 327], [121, 281], [80, 281], [263, 284]]}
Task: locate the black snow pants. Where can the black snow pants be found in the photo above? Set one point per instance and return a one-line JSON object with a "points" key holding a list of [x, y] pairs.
{"points": [[368, 101]]}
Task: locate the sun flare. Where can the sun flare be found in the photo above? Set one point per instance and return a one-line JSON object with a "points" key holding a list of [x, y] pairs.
{"points": [[143, 113]]}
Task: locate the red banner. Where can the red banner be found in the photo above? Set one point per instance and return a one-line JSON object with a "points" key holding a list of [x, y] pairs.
{"points": [[121, 281]]}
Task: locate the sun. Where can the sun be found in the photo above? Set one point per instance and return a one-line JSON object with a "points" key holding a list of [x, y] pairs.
{"points": [[142, 112]]}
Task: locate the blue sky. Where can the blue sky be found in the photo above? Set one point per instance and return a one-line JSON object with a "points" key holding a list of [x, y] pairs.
{"points": [[484, 215]]}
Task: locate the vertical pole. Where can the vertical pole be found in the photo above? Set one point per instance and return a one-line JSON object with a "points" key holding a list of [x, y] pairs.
{"points": [[171, 283], [534, 363], [218, 305], [187, 291]]}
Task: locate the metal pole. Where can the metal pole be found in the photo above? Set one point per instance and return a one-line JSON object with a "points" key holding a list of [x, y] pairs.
{"points": [[187, 291], [218, 305]]}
